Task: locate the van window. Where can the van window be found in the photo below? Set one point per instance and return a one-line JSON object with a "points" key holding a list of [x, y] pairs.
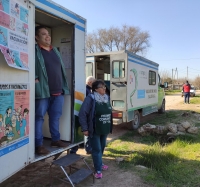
{"points": [[118, 69], [152, 77], [89, 69]]}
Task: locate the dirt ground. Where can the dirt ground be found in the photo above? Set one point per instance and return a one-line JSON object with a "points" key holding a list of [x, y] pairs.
{"points": [[37, 174]]}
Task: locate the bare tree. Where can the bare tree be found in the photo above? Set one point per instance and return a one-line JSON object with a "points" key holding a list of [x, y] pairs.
{"points": [[127, 38], [117, 37], [109, 38], [197, 82], [165, 76], [90, 43]]}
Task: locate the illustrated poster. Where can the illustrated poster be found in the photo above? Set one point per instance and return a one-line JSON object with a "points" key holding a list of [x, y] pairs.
{"points": [[14, 113], [14, 33]]}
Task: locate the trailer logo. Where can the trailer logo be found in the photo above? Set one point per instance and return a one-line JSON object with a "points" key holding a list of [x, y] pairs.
{"points": [[136, 83], [131, 79], [143, 74]]}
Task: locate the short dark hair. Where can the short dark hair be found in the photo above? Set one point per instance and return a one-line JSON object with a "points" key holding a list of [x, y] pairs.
{"points": [[97, 83], [37, 29], [26, 110]]}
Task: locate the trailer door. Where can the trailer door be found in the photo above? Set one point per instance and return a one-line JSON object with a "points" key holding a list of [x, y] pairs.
{"points": [[118, 81], [17, 86]]}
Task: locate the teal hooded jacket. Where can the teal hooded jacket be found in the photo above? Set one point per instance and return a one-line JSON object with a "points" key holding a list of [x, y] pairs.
{"points": [[42, 86]]}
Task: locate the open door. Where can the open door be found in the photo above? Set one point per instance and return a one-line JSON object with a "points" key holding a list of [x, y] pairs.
{"points": [[17, 75], [118, 81]]}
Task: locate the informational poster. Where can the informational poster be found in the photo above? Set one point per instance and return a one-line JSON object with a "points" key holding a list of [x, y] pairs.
{"points": [[14, 115], [65, 51], [14, 33]]}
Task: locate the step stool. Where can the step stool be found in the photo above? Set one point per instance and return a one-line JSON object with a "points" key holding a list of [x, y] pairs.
{"points": [[78, 175]]}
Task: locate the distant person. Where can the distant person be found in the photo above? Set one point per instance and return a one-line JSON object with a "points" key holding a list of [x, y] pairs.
{"points": [[186, 91], [89, 81], [95, 118]]}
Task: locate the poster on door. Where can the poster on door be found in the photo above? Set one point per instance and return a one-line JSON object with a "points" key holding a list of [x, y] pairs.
{"points": [[14, 33], [14, 114]]}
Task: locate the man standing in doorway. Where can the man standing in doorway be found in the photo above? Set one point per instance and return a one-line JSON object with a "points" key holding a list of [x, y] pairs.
{"points": [[186, 91], [50, 87]]}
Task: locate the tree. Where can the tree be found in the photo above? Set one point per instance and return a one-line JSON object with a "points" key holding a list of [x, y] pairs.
{"points": [[90, 44], [127, 38], [165, 76], [197, 82]]}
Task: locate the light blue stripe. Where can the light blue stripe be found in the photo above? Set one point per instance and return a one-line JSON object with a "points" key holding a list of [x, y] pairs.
{"points": [[61, 10], [142, 64], [13, 147], [143, 59], [80, 28]]}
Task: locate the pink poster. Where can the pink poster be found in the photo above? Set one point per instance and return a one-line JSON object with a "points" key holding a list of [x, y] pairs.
{"points": [[7, 21], [21, 105]]}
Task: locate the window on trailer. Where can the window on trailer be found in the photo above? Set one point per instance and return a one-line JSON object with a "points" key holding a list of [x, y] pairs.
{"points": [[118, 69], [89, 69], [152, 77]]}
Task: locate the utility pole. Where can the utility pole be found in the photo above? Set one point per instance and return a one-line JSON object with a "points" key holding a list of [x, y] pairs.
{"points": [[177, 74]]}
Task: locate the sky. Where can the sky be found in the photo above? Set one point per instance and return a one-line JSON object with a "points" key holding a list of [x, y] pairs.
{"points": [[173, 25]]}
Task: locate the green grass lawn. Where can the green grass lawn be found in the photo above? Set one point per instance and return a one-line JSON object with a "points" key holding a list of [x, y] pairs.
{"points": [[174, 164], [195, 100], [170, 92]]}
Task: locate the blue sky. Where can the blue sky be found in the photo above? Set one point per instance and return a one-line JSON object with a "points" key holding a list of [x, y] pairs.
{"points": [[173, 25]]}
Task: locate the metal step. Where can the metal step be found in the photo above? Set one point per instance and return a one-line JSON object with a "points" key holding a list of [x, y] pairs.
{"points": [[67, 160], [79, 175]]}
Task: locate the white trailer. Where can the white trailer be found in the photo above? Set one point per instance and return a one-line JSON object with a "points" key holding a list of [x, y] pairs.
{"points": [[18, 19], [133, 82]]}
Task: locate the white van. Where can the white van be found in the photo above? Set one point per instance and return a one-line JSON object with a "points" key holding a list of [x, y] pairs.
{"points": [[133, 82]]}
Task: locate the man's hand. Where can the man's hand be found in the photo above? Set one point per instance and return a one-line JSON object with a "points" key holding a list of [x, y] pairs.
{"points": [[86, 133]]}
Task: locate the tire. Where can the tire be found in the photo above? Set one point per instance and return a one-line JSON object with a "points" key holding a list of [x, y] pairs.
{"points": [[162, 109], [136, 121]]}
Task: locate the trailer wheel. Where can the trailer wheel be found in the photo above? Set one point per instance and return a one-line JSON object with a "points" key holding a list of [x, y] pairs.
{"points": [[136, 120], [162, 109]]}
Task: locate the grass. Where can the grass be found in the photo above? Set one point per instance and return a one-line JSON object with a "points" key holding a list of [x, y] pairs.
{"points": [[195, 100], [169, 92], [175, 164]]}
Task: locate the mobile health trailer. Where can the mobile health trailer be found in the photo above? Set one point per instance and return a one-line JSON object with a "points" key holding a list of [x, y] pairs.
{"points": [[18, 19], [132, 81]]}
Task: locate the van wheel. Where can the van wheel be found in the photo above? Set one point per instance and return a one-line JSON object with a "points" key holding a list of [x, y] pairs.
{"points": [[136, 121], [162, 109]]}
